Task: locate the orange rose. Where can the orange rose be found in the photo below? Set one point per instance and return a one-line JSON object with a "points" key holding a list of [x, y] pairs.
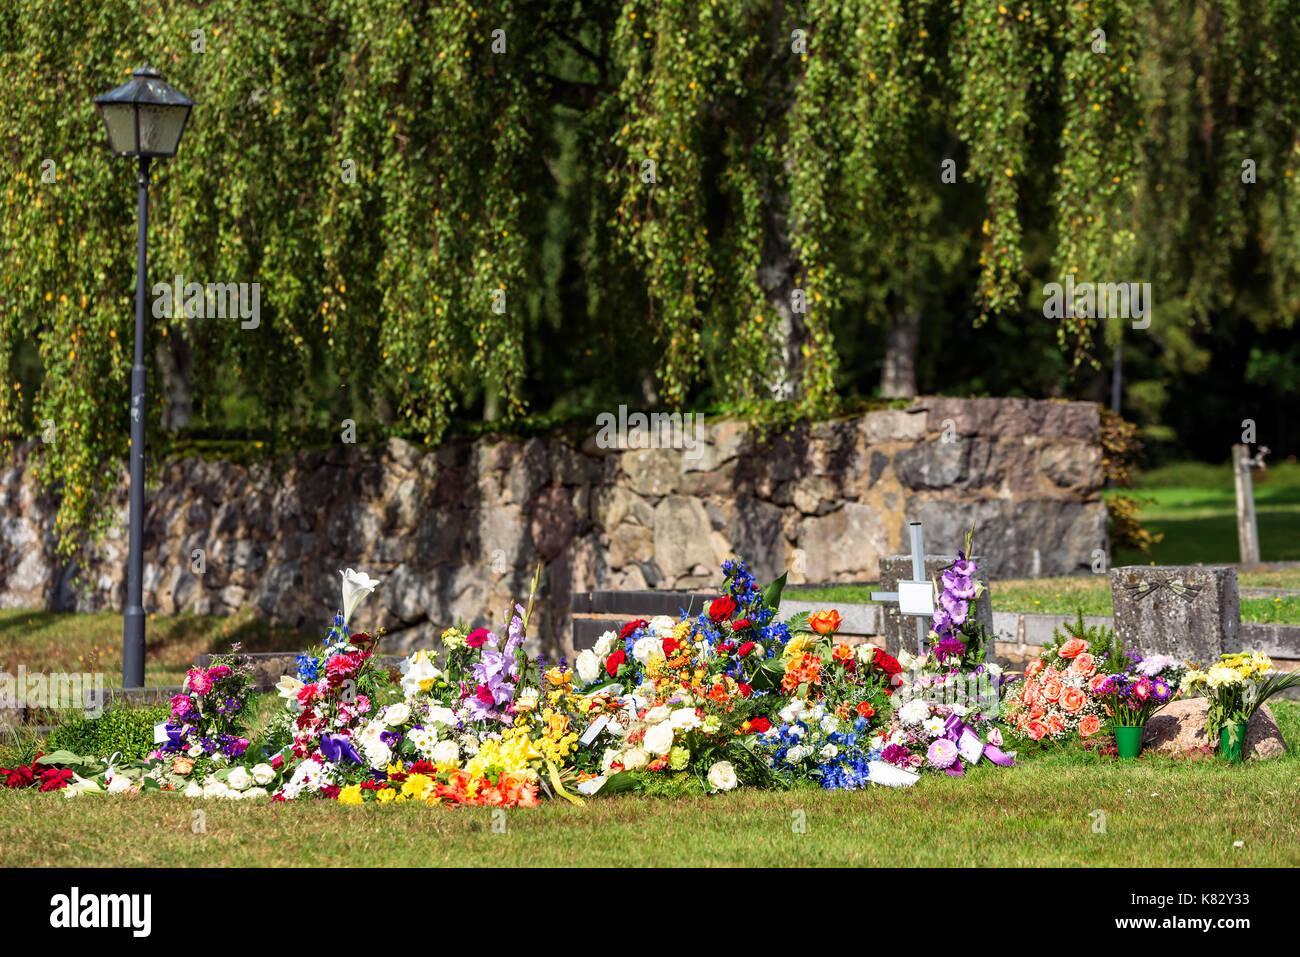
{"points": [[1085, 664], [1097, 681], [1033, 669], [183, 765], [1037, 711], [1090, 725], [1056, 723], [1073, 700], [825, 622], [1037, 730], [1052, 689], [1073, 647], [1031, 693]]}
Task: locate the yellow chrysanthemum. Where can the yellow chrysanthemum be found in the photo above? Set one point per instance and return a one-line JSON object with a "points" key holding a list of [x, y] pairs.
{"points": [[351, 795], [797, 645], [385, 795]]}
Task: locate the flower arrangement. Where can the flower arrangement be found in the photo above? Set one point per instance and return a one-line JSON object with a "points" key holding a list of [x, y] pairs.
{"points": [[1237, 687], [1146, 685], [208, 717], [1058, 698]]}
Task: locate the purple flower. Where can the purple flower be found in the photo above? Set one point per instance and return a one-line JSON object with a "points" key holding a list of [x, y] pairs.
{"points": [[949, 648], [896, 754]]}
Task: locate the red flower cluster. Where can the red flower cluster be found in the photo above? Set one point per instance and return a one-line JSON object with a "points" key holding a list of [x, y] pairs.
{"points": [[26, 776], [478, 637], [613, 662]]}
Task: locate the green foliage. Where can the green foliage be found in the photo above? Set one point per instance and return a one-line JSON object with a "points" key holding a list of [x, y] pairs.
{"points": [[388, 174], [128, 730], [1101, 639]]}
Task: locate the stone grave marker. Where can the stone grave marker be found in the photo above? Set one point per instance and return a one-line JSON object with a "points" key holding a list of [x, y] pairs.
{"points": [[1190, 611], [899, 630]]}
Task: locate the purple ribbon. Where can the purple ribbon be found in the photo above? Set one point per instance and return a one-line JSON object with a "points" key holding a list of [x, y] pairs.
{"points": [[970, 747]]}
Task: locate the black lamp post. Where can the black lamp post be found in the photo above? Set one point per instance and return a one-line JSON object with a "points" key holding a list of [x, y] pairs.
{"points": [[145, 119]]}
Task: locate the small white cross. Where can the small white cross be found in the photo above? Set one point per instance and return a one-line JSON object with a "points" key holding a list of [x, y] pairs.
{"points": [[915, 597]]}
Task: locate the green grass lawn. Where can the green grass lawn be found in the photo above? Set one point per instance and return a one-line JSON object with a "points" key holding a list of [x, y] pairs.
{"points": [[1159, 812], [1194, 506], [66, 642]]}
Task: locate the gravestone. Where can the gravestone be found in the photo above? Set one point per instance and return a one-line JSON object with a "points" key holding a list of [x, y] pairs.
{"points": [[900, 630], [1190, 611]]}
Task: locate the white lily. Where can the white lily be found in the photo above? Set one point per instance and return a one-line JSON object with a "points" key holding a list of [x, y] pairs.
{"points": [[288, 687], [356, 586], [79, 786]]}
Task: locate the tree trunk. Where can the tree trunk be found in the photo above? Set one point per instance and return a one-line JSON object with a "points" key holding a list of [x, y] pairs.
{"points": [[175, 366], [902, 338]]}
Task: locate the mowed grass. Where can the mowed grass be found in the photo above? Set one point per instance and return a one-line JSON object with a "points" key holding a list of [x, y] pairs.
{"points": [[90, 643], [1158, 812], [1194, 506]]}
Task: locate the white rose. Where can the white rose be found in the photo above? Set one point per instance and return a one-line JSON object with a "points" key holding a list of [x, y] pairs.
{"points": [[446, 752], [253, 794], [378, 754], [661, 626], [239, 779], [829, 724], [263, 774], [645, 648], [866, 653], [118, 784], [604, 644], [193, 790], [442, 716], [659, 738], [397, 714], [588, 666], [656, 714], [828, 752], [634, 759], [722, 776], [993, 668]]}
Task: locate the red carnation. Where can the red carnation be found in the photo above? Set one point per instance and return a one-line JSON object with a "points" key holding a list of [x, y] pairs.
{"points": [[632, 626], [720, 609], [478, 637], [612, 663], [20, 777], [741, 623], [744, 689], [484, 694], [330, 791], [745, 649]]}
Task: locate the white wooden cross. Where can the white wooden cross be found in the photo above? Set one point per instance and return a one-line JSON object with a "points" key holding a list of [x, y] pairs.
{"points": [[914, 597]]}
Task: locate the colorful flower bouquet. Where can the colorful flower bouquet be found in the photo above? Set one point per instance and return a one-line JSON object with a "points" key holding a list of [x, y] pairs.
{"points": [[948, 700], [1237, 687], [1132, 696], [1058, 698]]}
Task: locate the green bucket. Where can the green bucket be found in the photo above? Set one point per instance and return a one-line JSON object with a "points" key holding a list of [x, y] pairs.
{"points": [[1232, 742], [1129, 741]]}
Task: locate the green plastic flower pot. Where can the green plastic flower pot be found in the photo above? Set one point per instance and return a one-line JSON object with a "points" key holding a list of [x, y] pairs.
{"points": [[1232, 742], [1129, 741]]}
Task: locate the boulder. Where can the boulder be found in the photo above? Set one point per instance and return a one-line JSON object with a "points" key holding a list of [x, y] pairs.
{"points": [[1180, 727]]}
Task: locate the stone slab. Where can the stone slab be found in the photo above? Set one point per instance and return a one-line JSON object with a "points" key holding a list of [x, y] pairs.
{"points": [[1191, 611]]}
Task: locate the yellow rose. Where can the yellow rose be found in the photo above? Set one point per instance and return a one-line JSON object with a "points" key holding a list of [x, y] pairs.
{"points": [[797, 645]]}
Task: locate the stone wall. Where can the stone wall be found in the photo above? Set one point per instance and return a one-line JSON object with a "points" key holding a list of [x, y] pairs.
{"points": [[457, 530]]}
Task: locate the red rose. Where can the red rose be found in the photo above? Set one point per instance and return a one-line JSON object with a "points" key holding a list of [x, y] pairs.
{"points": [[19, 777], [744, 689], [632, 626], [886, 663], [670, 646], [760, 725], [741, 623], [478, 637], [745, 649], [423, 767], [720, 609], [613, 662], [361, 639]]}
